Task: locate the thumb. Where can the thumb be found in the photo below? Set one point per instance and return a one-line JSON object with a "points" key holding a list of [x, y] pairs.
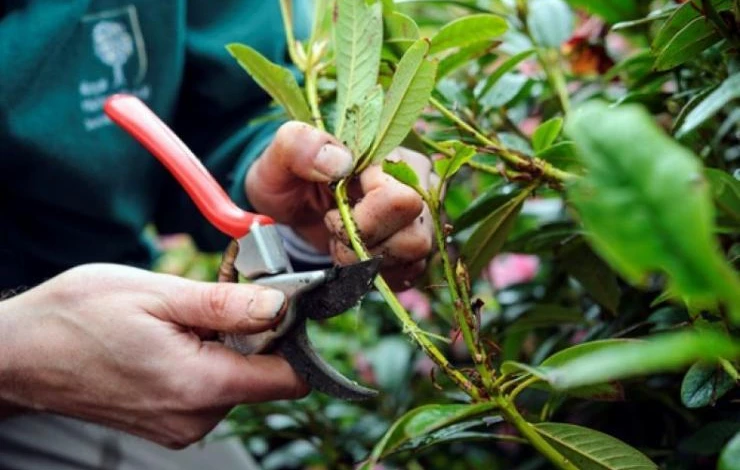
{"points": [[301, 152], [226, 307]]}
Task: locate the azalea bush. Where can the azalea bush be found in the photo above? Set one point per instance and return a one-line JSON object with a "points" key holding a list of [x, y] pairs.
{"points": [[582, 309]]}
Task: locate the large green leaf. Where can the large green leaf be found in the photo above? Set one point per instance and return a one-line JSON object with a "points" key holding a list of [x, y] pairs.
{"points": [[409, 92], [730, 457], [358, 38], [679, 19], [362, 121], [487, 240], [277, 81], [728, 91], [647, 207], [468, 30], [611, 10], [704, 384], [687, 44], [588, 449], [421, 421], [550, 22], [661, 353]]}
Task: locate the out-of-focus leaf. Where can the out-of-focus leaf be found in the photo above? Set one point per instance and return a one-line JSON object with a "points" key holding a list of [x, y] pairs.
{"points": [[704, 384], [277, 81], [505, 90], [403, 172], [468, 30], [462, 57], [511, 367], [726, 192], [482, 206], [592, 272], [563, 155], [400, 26], [546, 133], [730, 457], [727, 92], [423, 420], [679, 19], [505, 67], [358, 38], [660, 353], [635, 196], [391, 361], [544, 316], [710, 439], [687, 44], [611, 10], [588, 449], [409, 92], [446, 167], [693, 102], [550, 22], [361, 123], [487, 240]]}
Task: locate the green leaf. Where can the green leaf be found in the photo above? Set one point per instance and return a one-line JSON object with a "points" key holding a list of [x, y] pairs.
{"points": [[657, 354], [611, 10], [446, 167], [693, 102], [468, 30], [512, 367], [400, 26], [687, 44], [704, 384], [362, 122], [403, 172], [409, 92], [545, 316], [550, 22], [726, 192], [563, 155], [588, 449], [482, 206], [680, 18], [505, 90], [730, 457], [635, 196], [592, 273], [464, 56], [503, 69], [358, 38], [728, 91], [709, 439], [546, 133], [487, 240], [277, 81], [424, 420]]}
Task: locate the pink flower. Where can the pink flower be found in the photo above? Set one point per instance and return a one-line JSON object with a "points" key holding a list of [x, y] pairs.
{"points": [[416, 303], [508, 269]]}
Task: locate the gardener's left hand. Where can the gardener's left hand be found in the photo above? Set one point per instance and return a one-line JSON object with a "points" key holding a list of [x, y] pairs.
{"points": [[289, 183]]}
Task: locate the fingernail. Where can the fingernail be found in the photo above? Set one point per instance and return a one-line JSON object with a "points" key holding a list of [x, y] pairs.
{"points": [[271, 303], [333, 161]]}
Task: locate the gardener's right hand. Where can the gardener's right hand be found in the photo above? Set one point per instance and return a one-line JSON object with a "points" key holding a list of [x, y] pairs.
{"points": [[128, 348]]}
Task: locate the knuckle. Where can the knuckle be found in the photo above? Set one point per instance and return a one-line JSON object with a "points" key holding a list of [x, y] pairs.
{"points": [[417, 245], [215, 301], [406, 201]]}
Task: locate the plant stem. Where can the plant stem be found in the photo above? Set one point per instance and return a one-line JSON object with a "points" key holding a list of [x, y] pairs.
{"points": [[313, 96], [550, 61], [514, 393], [512, 415], [534, 166], [408, 325], [286, 9]]}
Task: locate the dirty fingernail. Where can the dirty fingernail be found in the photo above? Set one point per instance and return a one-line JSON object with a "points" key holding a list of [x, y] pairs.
{"points": [[333, 161], [271, 303]]}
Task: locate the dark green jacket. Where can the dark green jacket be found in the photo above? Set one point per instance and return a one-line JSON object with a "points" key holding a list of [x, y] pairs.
{"points": [[73, 187]]}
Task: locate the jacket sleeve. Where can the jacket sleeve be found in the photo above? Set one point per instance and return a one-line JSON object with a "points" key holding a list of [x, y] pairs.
{"points": [[222, 115]]}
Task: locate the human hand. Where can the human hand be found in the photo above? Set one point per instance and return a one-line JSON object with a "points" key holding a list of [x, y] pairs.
{"points": [[128, 348], [288, 183]]}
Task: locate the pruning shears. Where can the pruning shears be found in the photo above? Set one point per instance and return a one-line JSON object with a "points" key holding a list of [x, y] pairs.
{"points": [[257, 253]]}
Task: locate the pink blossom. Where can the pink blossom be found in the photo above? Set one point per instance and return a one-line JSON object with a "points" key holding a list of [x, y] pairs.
{"points": [[416, 303], [508, 269]]}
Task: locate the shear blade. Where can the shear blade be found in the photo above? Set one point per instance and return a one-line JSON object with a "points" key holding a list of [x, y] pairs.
{"points": [[297, 349], [342, 290]]}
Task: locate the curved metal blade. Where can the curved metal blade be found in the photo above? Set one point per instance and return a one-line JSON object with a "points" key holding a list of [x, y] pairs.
{"points": [[342, 290], [298, 351]]}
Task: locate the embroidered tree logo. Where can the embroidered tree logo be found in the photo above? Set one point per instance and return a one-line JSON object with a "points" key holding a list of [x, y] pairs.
{"points": [[113, 46]]}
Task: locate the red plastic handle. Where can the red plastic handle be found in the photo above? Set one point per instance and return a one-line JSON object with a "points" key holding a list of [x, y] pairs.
{"points": [[138, 120]]}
